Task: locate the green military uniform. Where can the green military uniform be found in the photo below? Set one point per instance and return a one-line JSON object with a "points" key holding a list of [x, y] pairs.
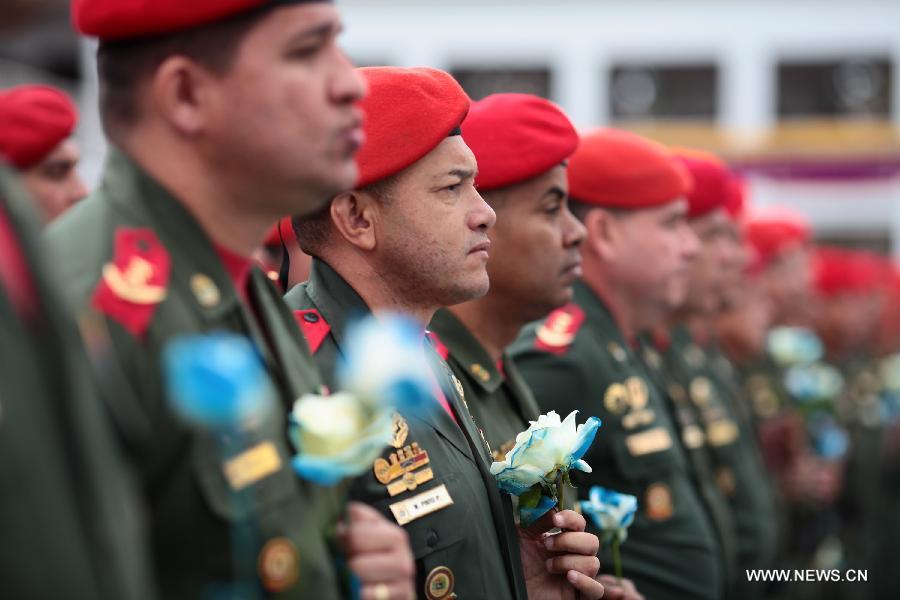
{"points": [[686, 417], [496, 394], [189, 484], [739, 472], [69, 520], [470, 545], [578, 359]]}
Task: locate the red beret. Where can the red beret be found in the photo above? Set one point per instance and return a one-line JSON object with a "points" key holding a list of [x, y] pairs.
{"points": [[839, 271], [34, 119], [737, 197], [408, 113], [712, 181], [516, 137], [123, 19], [619, 169], [773, 231]]}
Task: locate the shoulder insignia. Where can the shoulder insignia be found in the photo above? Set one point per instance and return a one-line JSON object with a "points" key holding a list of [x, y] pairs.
{"points": [[442, 350], [134, 282], [558, 330], [313, 326]]}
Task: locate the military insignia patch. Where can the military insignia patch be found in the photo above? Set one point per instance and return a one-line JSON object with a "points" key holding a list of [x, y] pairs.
{"points": [[480, 372], [615, 399], [558, 330], [722, 432], [652, 440], [700, 391], [278, 565], [404, 470], [617, 351], [658, 502], [726, 481], [205, 290], [439, 584], [252, 465], [400, 431], [694, 355], [652, 358], [134, 282]]}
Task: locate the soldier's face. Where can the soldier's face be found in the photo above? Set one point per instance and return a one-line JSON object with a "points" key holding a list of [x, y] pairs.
{"points": [[431, 237], [652, 254], [788, 281], [286, 111], [54, 184], [717, 263], [534, 246]]}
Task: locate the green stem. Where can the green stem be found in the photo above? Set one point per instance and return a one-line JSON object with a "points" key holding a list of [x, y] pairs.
{"points": [[560, 492], [617, 560]]}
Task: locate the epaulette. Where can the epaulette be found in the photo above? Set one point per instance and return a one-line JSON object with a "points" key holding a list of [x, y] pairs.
{"points": [[558, 330], [439, 346], [313, 326], [135, 281]]}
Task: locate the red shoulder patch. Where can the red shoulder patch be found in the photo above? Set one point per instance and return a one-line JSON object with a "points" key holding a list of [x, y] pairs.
{"points": [[313, 326], [443, 350], [558, 330], [134, 282]]}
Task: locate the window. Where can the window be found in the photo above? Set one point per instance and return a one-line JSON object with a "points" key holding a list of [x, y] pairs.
{"points": [[481, 82], [646, 91], [852, 87]]}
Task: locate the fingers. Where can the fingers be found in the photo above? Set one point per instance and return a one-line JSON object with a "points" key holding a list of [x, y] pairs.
{"points": [[569, 520], [357, 511], [588, 586], [373, 535], [387, 591], [586, 565], [573, 543], [381, 567]]}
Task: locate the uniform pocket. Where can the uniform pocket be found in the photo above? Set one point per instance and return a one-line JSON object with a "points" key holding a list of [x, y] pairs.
{"points": [[437, 530], [243, 477]]}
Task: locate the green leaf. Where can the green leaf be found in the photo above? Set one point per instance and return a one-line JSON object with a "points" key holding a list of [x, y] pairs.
{"points": [[532, 497]]}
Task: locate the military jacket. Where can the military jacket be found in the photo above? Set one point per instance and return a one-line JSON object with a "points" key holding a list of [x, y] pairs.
{"points": [[692, 435], [139, 271], [68, 513], [577, 359], [700, 375], [468, 544], [496, 394]]}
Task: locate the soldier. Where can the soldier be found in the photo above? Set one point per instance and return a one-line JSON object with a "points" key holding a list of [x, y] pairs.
{"points": [[629, 193], [522, 144], [411, 238], [36, 123], [703, 379], [223, 117], [66, 495]]}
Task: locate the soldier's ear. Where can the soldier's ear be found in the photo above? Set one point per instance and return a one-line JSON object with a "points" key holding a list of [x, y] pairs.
{"points": [[183, 95], [354, 214], [601, 233]]}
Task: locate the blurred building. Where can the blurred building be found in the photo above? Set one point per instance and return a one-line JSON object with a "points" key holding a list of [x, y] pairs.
{"points": [[803, 96]]}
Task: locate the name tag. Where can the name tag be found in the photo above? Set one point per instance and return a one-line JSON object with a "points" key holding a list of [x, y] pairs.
{"points": [[422, 504], [250, 466], [647, 442]]}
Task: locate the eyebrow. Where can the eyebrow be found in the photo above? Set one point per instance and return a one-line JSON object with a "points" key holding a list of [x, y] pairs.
{"points": [[463, 173], [325, 29], [556, 191]]}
